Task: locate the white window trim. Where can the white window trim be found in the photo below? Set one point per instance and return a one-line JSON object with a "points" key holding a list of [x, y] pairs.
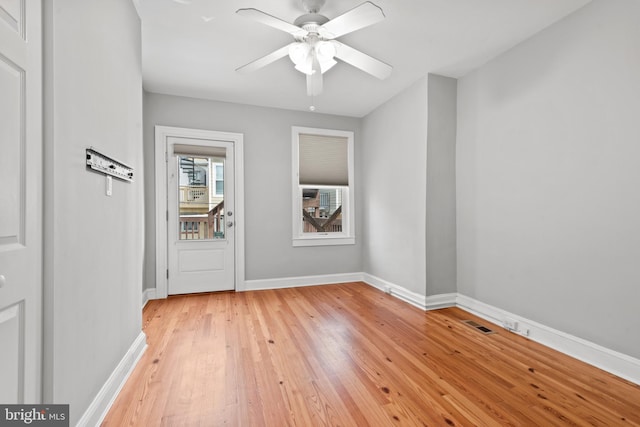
{"points": [[213, 179], [347, 237]]}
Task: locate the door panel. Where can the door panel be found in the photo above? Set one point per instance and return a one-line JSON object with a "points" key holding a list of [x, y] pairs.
{"points": [[11, 12], [12, 159], [20, 201], [200, 200], [199, 260], [11, 326]]}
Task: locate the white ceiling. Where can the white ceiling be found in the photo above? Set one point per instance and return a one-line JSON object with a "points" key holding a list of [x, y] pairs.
{"points": [[192, 47]]}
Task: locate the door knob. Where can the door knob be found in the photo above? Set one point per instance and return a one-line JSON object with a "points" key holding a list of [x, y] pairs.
{"points": [[230, 224]]}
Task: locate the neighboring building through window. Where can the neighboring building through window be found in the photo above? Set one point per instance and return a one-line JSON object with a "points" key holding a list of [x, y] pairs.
{"points": [[201, 198], [322, 187], [219, 179]]}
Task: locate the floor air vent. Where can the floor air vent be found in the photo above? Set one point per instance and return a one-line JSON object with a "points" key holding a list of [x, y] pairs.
{"points": [[479, 327]]}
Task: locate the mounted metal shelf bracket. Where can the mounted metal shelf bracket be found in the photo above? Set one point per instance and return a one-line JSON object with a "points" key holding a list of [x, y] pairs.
{"points": [[108, 166]]}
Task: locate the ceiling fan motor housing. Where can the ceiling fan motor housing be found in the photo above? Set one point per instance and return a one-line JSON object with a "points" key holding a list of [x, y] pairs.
{"points": [[311, 22], [313, 6]]}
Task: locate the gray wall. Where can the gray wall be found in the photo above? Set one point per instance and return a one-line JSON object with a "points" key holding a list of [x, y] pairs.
{"points": [[394, 161], [408, 174], [441, 186], [267, 162], [547, 177], [93, 243]]}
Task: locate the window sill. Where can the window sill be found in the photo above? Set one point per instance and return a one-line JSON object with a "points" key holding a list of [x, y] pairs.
{"points": [[323, 241]]}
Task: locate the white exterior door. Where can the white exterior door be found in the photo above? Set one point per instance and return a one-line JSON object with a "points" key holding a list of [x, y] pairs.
{"points": [[200, 223], [20, 201]]}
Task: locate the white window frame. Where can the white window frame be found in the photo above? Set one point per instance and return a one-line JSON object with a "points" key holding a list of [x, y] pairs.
{"points": [[347, 236], [214, 179]]}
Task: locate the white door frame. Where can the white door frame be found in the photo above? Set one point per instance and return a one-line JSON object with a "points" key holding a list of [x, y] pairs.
{"points": [[161, 135]]}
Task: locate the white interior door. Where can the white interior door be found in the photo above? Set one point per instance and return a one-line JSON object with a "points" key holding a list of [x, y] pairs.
{"points": [[20, 201], [200, 223]]}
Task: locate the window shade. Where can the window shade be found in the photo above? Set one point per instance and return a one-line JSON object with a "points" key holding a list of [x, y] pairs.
{"points": [[199, 150], [323, 160]]}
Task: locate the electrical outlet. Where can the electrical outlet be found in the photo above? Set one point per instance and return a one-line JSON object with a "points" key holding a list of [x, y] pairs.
{"points": [[510, 324]]}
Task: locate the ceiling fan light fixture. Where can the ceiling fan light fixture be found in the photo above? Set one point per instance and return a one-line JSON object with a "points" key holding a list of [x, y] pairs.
{"points": [[325, 51], [326, 64], [299, 52], [301, 55], [305, 67]]}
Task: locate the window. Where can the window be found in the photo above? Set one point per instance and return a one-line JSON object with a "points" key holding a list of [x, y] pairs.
{"points": [[201, 192], [219, 179], [322, 187]]}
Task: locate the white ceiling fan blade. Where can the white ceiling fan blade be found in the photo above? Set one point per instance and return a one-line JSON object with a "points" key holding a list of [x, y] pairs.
{"points": [[265, 60], [363, 61], [314, 80], [272, 21], [359, 17]]}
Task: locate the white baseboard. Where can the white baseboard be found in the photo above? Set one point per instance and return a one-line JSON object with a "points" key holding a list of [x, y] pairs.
{"points": [[608, 360], [616, 363], [98, 409], [293, 282], [431, 302], [426, 303], [619, 364], [147, 295]]}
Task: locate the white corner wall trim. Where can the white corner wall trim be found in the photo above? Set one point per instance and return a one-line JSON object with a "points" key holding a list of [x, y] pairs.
{"points": [[292, 282], [399, 292], [431, 302], [619, 364], [98, 409], [425, 303], [147, 295]]}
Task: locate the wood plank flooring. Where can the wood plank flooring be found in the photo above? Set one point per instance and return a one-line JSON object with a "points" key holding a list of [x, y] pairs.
{"points": [[351, 355]]}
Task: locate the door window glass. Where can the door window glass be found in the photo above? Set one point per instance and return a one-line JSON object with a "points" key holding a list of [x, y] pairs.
{"points": [[201, 197]]}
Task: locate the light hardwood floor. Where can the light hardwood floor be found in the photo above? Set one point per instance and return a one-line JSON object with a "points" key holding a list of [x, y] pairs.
{"points": [[351, 355]]}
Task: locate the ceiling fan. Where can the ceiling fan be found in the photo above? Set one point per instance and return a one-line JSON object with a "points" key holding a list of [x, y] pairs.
{"points": [[315, 48]]}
